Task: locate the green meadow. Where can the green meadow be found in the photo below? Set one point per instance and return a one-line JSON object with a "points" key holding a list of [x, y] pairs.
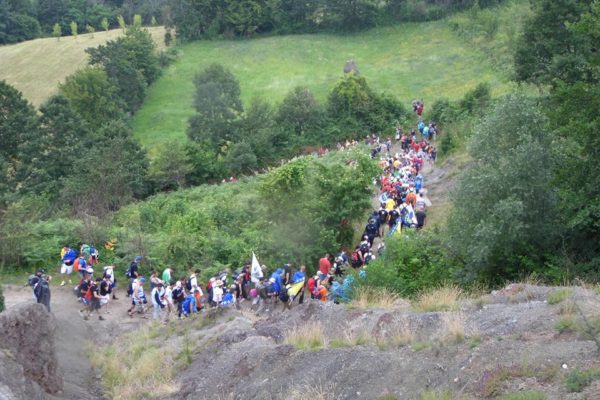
{"points": [[416, 60]]}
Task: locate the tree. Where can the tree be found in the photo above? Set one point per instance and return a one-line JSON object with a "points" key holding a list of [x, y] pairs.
{"points": [[548, 48], [121, 22], [171, 166], [130, 63], [299, 112], [50, 152], [504, 208], [18, 121], [241, 158], [73, 26], [104, 24], [57, 31], [218, 107], [90, 29], [50, 12], [351, 15], [92, 95], [112, 173], [137, 21]]}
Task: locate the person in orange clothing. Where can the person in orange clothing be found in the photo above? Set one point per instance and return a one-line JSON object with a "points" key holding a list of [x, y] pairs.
{"points": [[323, 292], [411, 199]]}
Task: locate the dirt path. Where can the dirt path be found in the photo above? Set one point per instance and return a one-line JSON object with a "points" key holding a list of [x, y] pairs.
{"points": [[76, 338]]}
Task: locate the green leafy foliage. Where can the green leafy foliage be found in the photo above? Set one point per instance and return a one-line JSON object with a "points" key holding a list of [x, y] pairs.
{"points": [[93, 96], [549, 49], [170, 167], [299, 112], [476, 101], [210, 18], [47, 154], [218, 106], [412, 261], [502, 222], [217, 226], [17, 120], [578, 379], [130, 63], [353, 104]]}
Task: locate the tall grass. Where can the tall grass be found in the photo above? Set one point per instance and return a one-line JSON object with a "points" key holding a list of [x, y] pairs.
{"points": [[444, 298], [374, 297], [309, 336], [453, 327], [137, 366]]}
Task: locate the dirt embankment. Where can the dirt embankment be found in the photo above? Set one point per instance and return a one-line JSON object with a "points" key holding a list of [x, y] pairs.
{"points": [[504, 342]]}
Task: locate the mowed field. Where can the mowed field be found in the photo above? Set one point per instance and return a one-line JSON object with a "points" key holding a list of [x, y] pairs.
{"points": [[417, 60], [36, 67]]}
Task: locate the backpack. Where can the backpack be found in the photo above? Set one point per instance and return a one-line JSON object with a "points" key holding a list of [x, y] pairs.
{"points": [[77, 291], [188, 284], [32, 280], [364, 247], [355, 257]]}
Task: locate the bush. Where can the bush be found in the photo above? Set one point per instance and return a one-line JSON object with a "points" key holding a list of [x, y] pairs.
{"points": [[413, 261], [476, 101], [578, 379], [442, 111]]}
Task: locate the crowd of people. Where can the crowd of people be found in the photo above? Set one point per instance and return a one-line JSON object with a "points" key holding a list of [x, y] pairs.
{"points": [[402, 205]]}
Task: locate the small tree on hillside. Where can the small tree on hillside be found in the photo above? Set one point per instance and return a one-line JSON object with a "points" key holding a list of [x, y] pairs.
{"points": [[90, 29], [104, 24], [73, 26], [121, 22], [153, 21], [137, 21], [57, 31], [218, 106], [299, 111]]}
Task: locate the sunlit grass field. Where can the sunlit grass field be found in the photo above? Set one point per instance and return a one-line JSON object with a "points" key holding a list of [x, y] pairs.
{"points": [[36, 67], [416, 60]]}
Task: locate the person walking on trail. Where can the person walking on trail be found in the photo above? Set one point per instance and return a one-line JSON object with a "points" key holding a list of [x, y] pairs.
{"points": [[41, 288], [67, 256], [96, 301], [256, 273], [109, 272], [167, 276], [138, 298], [105, 291], [158, 301], [324, 266]]}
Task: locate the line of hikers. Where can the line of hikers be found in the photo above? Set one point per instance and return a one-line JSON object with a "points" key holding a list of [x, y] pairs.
{"points": [[402, 205]]}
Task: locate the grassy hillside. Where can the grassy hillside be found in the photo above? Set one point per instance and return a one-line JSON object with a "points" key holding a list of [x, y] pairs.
{"points": [[412, 60], [37, 66]]}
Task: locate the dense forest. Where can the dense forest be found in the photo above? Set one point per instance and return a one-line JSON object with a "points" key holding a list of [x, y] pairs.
{"points": [[528, 203]]}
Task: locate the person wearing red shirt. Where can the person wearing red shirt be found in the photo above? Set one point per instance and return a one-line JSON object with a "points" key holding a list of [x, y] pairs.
{"points": [[324, 265]]}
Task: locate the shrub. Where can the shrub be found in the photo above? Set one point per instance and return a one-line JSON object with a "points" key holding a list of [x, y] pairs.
{"points": [[412, 262], [476, 101], [526, 395], [566, 324], [577, 380], [442, 111], [558, 296]]}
